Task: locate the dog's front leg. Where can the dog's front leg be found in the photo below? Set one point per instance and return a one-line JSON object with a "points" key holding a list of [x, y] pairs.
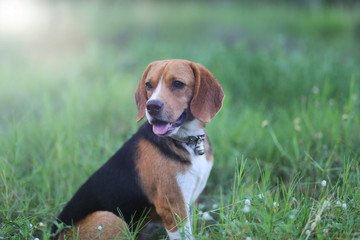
{"points": [[174, 214]]}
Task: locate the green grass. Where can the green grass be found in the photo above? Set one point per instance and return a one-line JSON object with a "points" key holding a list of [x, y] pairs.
{"points": [[67, 104]]}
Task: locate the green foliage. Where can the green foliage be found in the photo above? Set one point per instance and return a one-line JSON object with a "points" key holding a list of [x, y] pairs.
{"points": [[290, 119]]}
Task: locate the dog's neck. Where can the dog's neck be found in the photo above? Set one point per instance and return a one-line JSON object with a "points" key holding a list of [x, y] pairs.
{"points": [[192, 133]]}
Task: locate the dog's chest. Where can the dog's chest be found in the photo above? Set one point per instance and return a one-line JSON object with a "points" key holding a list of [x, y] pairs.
{"points": [[193, 181]]}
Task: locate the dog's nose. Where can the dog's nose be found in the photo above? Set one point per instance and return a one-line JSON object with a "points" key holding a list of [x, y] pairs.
{"points": [[154, 106]]}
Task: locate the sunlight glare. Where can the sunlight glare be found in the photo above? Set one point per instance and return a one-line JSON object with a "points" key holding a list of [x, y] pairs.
{"points": [[18, 17]]}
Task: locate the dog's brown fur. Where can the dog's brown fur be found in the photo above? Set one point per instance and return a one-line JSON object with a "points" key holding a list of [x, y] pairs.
{"points": [[201, 98]]}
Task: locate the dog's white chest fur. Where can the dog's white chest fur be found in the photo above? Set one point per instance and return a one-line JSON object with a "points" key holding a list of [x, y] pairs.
{"points": [[193, 181]]}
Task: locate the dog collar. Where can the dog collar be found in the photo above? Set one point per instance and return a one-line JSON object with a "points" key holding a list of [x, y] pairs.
{"points": [[197, 141]]}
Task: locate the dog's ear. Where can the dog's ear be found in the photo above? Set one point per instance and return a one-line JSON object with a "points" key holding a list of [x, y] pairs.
{"points": [[140, 95], [208, 94]]}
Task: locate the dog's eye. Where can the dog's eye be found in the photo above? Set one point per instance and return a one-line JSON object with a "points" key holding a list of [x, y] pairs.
{"points": [[177, 85], [148, 86]]}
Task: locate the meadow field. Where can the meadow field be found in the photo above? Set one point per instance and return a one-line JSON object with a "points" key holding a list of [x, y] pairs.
{"points": [[286, 142]]}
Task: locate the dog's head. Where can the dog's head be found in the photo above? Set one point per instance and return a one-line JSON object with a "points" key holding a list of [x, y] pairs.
{"points": [[172, 92]]}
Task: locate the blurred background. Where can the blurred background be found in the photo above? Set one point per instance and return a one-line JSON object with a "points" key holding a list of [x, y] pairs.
{"points": [[56, 40]]}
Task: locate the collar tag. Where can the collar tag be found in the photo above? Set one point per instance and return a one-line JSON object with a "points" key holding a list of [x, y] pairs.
{"points": [[198, 141]]}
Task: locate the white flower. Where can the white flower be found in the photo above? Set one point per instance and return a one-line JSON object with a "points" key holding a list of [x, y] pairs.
{"points": [[275, 204], [315, 90], [30, 225], [41, 224], [338, 203], [247, 202], [248, 238], [215, 205], [245, 209], [100, 227], [313, 225], [36, 239], [207, 216], [307, 232], [317, 218], [344, 206], [323, 183], [261, 196]]}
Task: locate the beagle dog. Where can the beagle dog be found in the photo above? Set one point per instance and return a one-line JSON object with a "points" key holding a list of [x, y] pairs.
{"points": [[163, 168]]}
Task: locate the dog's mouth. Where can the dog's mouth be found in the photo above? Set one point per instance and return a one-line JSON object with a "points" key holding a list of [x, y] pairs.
{"points": [[162, 128]]}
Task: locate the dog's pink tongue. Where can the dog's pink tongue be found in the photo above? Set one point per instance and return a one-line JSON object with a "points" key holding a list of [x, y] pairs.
{"points": [[160, 128]]}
